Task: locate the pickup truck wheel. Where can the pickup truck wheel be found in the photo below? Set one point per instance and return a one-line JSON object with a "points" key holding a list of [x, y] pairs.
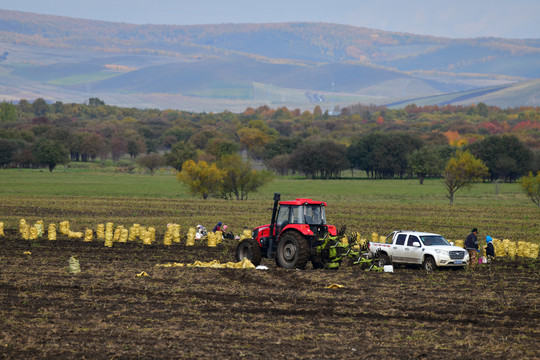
{"points": [[429, 264], [292, 251], [383, 260], [249, 249]]}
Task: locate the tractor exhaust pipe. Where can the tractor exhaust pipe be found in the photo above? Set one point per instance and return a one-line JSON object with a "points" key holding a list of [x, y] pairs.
{"points": [[273, 237]]}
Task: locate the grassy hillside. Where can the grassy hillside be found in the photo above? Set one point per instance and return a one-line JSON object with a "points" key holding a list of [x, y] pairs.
{"points": [[213, 67]]}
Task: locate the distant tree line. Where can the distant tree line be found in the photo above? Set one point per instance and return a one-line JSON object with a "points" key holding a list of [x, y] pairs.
{"points": [[384, 143]]}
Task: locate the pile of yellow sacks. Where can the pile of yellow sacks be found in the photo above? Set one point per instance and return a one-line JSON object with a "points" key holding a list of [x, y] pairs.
{"points": [[244, 264], [172, 234], [30, 232], [506, 247]]}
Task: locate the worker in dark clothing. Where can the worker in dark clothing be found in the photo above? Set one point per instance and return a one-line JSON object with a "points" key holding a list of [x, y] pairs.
{"points": [[490, 249], [217, 227], [471, 244]]}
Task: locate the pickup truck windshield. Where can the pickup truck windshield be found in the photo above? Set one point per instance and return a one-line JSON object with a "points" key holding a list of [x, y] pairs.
{"points": [[432, 240]]}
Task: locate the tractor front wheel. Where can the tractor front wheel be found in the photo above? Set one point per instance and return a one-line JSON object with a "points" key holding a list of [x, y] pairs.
{"points": [[249, 249], [292, 251]]}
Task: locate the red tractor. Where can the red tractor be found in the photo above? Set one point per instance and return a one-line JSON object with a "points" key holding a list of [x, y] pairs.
{"points": [[292, 237]]}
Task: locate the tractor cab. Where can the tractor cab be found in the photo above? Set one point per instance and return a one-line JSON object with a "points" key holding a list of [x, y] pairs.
{"points": [[307, 213]]}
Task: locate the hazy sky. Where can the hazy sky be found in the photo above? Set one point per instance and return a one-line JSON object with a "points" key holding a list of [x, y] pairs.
{"points": [[450, 18]]}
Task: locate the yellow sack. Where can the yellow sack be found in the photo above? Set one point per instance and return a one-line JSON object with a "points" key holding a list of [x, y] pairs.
{"points": [[498, 246], [521, 249], [88, 235], [64, 227], [22, 225], [74, 266], [534, 251], [75, 234], [109, 233], [460, 243], [219, 237], [33, 233], [152, 232], [2, 229], [24, 229], [191, 237], [246, 264], [211, 239], [146, 236], [512, 249], [123, 235], [133, 233], [374, 237], [506, 243], [51, 233], [116, 236], [39, 228], [108, 242], [344, 240], [363, 242], [167, 240], [100, 231], [25, 232], [246, 234], [176, 233], [527, 250]]}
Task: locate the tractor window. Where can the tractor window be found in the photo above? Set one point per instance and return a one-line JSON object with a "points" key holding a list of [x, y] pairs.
{"points": [[283, 215], [297, 217], [314, 215]]}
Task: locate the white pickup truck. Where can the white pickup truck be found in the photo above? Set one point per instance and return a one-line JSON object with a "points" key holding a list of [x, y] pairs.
{"points": [[413, 247]]}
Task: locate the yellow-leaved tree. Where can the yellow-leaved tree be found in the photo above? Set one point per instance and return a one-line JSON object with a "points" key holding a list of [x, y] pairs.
{"points": [[531, 186], [461, 171], [201, 179], [240, 178]]}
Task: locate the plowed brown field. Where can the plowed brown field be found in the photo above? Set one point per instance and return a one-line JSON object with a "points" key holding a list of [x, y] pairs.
{"points": [[106, 312]]}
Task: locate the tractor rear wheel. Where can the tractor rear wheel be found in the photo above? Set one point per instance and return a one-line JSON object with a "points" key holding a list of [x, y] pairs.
{"points": [[292, 251], [249, 249]]}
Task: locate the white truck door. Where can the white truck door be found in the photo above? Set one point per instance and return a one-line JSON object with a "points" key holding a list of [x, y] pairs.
{"points": [[413, 254], [398, 248]]}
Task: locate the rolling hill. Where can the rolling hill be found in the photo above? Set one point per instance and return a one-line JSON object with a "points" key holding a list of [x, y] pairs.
{"points": [[232, 66]]}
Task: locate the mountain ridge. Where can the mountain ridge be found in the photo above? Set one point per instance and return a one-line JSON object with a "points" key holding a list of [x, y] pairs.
{"points": [[74, 58]]}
